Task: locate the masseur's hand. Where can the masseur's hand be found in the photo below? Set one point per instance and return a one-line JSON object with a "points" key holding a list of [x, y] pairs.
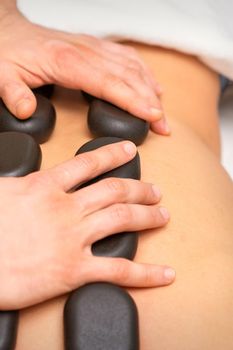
{"points": [[32, 55], [46, 230]]}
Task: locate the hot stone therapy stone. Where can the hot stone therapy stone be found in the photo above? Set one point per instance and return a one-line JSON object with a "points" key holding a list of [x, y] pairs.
{"points": [[45, 90], [101, 316], [89, 98], [8, 329], [122, 244], [19, 154], [40, 125], [104, 119]]}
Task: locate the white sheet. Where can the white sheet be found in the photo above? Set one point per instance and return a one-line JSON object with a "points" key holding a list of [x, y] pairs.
{"points": [[201, 27]]}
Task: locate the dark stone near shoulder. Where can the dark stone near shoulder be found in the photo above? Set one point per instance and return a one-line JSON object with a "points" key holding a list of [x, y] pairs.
{"points": [[19, 154], [8, 329], [40, 125], [104, 119], [45, 90], [101, 316]]}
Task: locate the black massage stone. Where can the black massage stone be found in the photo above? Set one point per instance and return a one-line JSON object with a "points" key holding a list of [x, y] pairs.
{"points": [[89, 98], [40, 125], [130, 170], [104, 119], [101, 316], [19, 154], [45, 90], [123, 244], [8, 329]]}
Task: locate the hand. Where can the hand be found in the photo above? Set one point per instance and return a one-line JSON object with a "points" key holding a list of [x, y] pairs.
{"points": [[32, 55], [46, 231]]}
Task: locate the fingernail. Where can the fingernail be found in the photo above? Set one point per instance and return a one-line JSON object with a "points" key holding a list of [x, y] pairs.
{"points": [[156, 113], [166, 127], [22, 107], [162, 126], [169, 274], [164, 213], [156, 191], [130, 148]]}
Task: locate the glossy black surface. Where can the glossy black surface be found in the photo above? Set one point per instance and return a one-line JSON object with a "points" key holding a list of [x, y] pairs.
{"points": [[40, 125], [89, 98], [19, 154], [104, 119], [122, 244], [45, 90], [101, 316], [8, 329]]}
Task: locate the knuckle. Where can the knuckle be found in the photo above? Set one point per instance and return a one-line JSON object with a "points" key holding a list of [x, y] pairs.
{"points": [[111, 80], [116, 187], [131, 50], [132, 73], [88, 162], [120, 271], [63, 55], [38, 180], [122, 214], [134, 64], [148, 275]]}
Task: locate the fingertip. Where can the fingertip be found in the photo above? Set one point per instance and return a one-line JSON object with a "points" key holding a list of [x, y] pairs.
{"points": [[161, 127], [130, 148], [169, 275], [25, 107], [159, 90]]}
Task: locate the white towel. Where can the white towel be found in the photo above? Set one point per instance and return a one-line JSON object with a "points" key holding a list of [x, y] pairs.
{"points": [[201, 27]]}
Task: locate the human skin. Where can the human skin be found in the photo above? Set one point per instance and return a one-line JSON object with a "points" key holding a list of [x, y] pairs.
{"points": [[195, 312], [34, 55], [46, 232]]}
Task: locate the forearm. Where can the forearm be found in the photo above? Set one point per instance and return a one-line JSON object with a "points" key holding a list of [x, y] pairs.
{"points": [[7, 7]]}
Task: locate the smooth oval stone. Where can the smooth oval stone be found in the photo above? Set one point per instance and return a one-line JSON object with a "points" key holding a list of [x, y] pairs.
{"points": [[87, 97], [40, 125], [19, 154], [8, 329], [101, 316], [123, 244], [130, 170], [104, 119], [45, 90]]}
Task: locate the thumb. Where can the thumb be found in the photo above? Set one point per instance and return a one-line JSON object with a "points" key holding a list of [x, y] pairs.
{"points": [[16, 95]]}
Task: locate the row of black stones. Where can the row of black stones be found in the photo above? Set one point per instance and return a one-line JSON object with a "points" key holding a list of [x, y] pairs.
{"points": [[20, 154], [98, 315], [102, 315]]}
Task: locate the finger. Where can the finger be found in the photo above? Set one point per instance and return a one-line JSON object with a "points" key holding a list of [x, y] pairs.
{"points": [[123, 218], [121, 54], [17, 96], [113, 190], [88, 165], [77, 69], [161, 127], [130, 274]]}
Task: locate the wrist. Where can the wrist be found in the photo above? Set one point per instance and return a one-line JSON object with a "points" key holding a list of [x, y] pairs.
{"points": [[8, 12]]}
